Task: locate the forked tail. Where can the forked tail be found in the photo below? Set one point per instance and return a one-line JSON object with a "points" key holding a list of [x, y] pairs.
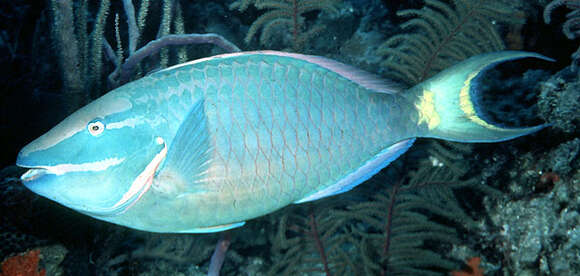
{"points": [[447, 107]]}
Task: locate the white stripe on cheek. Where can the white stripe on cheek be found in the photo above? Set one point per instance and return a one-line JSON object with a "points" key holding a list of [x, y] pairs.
{"points": [[143, 182]]}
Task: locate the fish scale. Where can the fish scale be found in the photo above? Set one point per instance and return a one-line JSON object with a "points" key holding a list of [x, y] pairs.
{"points": [[206, 145], [261, 110], [293, 128]]}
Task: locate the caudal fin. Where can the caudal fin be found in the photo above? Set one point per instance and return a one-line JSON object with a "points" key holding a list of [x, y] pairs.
{"points": [[447, 106]]}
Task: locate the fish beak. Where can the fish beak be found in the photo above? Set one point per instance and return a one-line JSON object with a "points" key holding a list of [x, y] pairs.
{"points": [[33, 174], [35, 170]]}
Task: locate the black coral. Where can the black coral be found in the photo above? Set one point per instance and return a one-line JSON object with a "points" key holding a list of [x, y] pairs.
{"points": [[405, 234], [406, 229], [285, 14], [308, 241], [439, 35]]}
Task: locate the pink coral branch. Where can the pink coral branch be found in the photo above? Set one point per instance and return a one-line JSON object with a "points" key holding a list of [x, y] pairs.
{"points": [[219, 255], [123, 73], [319, 246]]}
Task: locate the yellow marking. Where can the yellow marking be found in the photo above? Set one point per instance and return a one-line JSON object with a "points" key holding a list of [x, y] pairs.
{"points": [[466, 104], [427, 112]]}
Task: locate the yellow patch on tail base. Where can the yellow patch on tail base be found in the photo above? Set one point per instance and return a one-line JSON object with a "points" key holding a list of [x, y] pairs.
{"points": [[427, 112]]}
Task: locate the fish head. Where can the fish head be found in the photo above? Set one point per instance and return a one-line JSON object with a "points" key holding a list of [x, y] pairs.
{"points": [[100, 160]]}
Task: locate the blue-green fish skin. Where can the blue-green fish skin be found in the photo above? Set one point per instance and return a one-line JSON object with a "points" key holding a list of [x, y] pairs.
{"points": [[206, 145]]}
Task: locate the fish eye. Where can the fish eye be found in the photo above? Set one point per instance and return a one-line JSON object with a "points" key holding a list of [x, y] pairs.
{"points": [[95, 127]]}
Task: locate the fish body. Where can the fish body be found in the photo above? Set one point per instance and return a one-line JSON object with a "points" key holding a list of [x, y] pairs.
{"points": [[206, 145]]}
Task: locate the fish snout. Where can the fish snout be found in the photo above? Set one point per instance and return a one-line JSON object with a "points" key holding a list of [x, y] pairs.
{"points": [[25, 160]]}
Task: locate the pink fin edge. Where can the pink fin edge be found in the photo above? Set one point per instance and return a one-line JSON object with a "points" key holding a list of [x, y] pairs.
{"points": [[360, 77]]}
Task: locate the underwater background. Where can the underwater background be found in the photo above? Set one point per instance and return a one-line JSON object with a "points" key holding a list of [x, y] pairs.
{"points": [[510, 208]]}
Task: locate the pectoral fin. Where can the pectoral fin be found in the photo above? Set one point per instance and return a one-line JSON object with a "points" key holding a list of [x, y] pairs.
{"points": [[188, 155]]}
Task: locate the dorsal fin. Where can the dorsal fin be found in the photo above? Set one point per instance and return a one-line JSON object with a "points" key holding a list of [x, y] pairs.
{"points": [[360, 77]]}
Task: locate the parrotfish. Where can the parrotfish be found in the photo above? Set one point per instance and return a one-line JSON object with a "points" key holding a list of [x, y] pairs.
{"points": [[206, 145]]}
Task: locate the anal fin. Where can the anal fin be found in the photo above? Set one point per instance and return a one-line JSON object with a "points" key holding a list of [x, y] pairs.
{"points": [[360, 175], [213, 229]]}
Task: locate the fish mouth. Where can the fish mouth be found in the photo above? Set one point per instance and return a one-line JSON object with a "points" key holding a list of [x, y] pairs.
{"points": [[35, 171], [33, 174]]}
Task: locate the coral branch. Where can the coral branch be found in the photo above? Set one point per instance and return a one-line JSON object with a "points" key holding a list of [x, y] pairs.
{"points": [[219, 255], [557, 3], [154, 46], [319, 246], [132, 25], [388, 225], [571, 26]]}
